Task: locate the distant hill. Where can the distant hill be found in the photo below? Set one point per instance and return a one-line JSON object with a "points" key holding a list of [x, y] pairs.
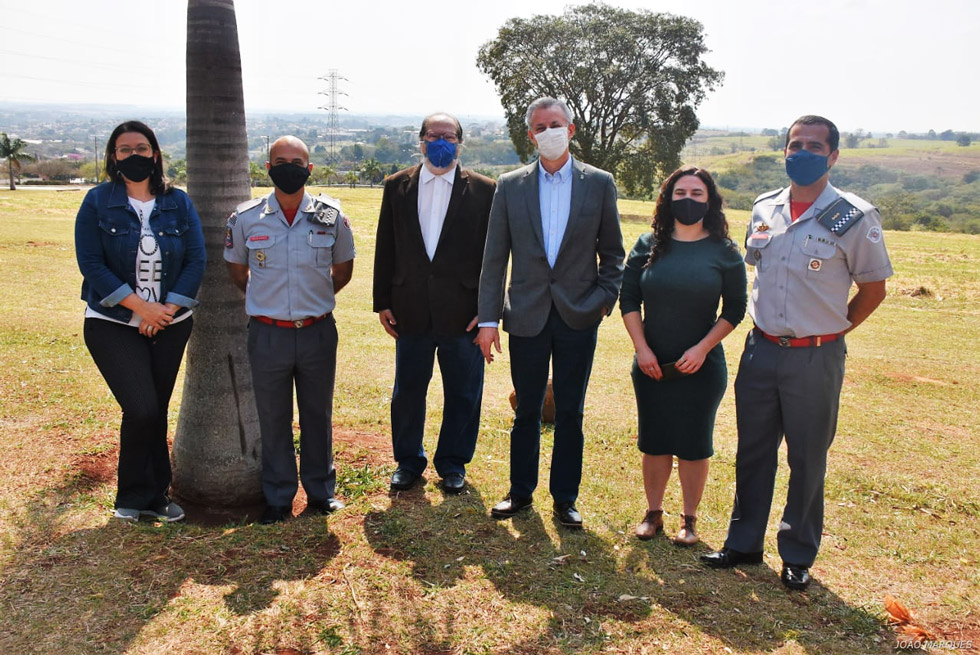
{"points": [[918, 183]]}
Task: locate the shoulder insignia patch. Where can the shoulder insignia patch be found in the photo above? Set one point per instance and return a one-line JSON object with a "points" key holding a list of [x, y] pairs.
{"points": [[768, 194], [249, 204], [325, 210], [874, 234], [840, 216], [229, 239]]}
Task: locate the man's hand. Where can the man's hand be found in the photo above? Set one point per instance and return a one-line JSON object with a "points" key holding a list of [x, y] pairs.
{"points": [[488, 338], [388, 322]]}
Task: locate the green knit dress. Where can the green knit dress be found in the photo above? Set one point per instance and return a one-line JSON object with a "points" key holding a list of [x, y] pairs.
{"points": [[678, 296]]}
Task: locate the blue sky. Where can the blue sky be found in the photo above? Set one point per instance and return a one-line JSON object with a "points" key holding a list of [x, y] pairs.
{"points": [[872, 64]]}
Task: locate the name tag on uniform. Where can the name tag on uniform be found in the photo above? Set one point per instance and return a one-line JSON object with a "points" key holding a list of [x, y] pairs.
{"points": [[759, 239], [260, 237]]}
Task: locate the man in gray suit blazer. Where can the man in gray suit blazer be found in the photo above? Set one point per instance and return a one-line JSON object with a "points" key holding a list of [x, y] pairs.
{"points": [[557, 222]]}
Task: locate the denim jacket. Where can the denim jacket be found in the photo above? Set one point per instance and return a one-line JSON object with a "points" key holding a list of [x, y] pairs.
{"points": [[107, 234]]}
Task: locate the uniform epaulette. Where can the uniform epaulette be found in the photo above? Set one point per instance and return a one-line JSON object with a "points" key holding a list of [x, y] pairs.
{"points": [[840, 216], [858, 201], [248, 204], [768, 194], [325, 209]]}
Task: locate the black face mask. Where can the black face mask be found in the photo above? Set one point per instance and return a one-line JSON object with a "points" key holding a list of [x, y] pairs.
{"points": [[688, 211], [289, 178], [136, 168]]}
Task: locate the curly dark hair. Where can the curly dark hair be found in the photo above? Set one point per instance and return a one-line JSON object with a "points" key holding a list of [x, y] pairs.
{"points": [[663, 220], [159, 182]]}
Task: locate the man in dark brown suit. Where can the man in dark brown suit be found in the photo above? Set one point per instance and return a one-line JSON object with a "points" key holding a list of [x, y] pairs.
{"points": [[431, 233]]}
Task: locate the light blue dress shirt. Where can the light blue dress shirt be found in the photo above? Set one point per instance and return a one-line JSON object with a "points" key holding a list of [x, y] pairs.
{"points": [[555, 198]]}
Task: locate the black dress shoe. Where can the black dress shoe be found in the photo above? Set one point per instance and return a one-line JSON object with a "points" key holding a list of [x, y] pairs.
{"points": [[328, 506], [795, 576], [403, 479], [509, 506], [568, 516], [276, 514], [454, 483], [726, 558]]}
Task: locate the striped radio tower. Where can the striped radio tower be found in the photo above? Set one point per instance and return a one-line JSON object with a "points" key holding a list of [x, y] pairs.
{"points": [[333, 92]]}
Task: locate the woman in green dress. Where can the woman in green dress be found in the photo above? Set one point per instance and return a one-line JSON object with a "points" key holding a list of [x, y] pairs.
{"points": [[675, 276]]}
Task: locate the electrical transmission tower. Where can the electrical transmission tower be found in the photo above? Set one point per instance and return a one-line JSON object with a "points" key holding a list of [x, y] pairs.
{"points": [[333, 130]]}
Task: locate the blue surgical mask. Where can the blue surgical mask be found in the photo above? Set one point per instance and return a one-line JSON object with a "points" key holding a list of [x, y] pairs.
{"points": [[440, 152], [805, 167]]}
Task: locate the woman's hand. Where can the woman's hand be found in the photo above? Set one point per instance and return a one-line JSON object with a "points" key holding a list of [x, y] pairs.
{"points": [[155, 317], [647, 362], [692, 359]]}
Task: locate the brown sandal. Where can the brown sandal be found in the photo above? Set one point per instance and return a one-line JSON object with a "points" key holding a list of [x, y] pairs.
{"points": [[652, 523], [687, 536]]}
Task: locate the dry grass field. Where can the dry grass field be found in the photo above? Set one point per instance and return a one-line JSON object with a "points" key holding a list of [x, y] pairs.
{"points": [[421, 573]]}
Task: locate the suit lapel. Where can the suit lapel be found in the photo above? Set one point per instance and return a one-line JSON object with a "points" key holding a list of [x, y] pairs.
{"points": [[460, 182], [533, 199], [579, 181], [411, 191]]}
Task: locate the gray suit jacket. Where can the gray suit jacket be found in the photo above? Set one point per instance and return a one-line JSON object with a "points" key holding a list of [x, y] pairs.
{"points": [[589, 266]]}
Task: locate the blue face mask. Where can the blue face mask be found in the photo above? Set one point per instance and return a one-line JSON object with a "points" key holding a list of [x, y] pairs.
{"points": [[805, 167], [440, 152]]}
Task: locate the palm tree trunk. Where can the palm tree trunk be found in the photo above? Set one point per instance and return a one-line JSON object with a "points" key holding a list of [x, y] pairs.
{"points": [[217, 451], [10, 171]]}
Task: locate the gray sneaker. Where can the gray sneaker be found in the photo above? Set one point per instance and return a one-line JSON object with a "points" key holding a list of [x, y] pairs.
{"points": [[124, 514], [168, 513]]}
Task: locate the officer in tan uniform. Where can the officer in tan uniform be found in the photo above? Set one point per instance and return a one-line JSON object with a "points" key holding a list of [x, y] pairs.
{"points": [[808, 243], [291, 253]]}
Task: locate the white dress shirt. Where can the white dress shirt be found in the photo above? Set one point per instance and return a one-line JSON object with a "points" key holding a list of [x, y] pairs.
{"points": [[434, 193]]}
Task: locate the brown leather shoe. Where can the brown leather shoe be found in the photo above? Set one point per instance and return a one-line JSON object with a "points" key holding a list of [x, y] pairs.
{"points": [[653, 523], [687, 535]]}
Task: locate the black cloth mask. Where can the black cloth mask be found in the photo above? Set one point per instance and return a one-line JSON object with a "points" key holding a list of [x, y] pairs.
{"points": [[136, 168], [688, 211], [290, 178]]}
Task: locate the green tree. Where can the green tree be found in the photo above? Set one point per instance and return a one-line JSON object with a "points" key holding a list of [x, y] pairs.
{"points": [[322, 174], [13, 151], [351, 177], [963, 140], [217, 448], [256, 173], [372, 170], [632, 79]]}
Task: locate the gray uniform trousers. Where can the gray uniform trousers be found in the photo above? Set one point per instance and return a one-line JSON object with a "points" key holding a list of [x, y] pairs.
{"points": [[791, 392], [279, 357]]}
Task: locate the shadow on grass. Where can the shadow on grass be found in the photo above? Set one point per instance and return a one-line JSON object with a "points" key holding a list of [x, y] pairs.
{"points": [[590, 590], [93, 590]]}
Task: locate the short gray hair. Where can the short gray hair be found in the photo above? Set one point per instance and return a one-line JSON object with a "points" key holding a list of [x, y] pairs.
{"points": [[545, 103]]}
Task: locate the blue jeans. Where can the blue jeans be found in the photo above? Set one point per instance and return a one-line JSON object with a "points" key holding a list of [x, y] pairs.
{"points": [[461, 364], [570, 353]]}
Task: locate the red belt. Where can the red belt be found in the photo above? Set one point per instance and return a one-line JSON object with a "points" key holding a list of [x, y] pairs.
{"points": [[301, 323], [801, 342]]}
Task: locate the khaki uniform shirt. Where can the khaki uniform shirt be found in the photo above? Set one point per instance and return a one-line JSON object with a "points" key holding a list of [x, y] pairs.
{"points": [[803, 271], [289, 265]]}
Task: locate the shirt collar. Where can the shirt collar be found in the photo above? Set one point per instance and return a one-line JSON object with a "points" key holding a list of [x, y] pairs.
{"points": [[562, 173], [425, 174]]}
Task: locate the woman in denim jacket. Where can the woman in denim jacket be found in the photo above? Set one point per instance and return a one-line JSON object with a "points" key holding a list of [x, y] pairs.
{"points": [[140, 249]]}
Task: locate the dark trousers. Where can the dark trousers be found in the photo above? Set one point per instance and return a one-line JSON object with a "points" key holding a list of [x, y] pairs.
{"points": [[141, 373], [461, 365], [570, 354], [279, 358], [791, 392]]}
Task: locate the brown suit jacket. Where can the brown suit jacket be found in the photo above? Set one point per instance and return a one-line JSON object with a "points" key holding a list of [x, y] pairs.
{"points": [[439, 295]]}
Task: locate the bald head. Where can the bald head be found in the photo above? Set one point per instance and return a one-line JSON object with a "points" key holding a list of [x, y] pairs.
{"points": [[289, 150]]}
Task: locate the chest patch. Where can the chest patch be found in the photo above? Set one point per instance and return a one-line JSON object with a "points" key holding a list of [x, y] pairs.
{"points": [[815, 264]]}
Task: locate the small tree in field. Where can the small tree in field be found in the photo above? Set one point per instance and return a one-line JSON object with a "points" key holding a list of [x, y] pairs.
{"points": [[13, 151]]}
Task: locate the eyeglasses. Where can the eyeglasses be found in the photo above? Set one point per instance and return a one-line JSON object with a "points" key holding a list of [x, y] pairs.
{"points": [[432, 136], [143, 150]]}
